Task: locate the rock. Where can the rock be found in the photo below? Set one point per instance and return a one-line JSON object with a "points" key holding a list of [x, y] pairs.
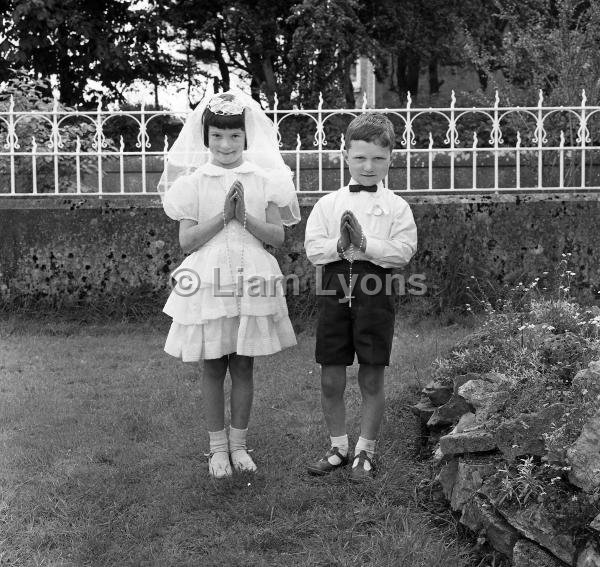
{"points": [[594, 366], [493, 377], [450, 412], [447, 477], [588, 379], [523, 435], [479, 515], [469, 478], [438, 392], [595, 523], [584, 456], [462, 379], [528, 554], [534, 523], [423, 410], [465, 423], [589, 557], [477, 441], [487, 394]]}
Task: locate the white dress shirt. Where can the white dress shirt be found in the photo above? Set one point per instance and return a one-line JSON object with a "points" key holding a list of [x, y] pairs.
{"points": [[386, 219]]}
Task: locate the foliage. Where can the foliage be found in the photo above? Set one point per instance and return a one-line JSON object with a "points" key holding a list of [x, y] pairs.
{"points": [[77, 42], [531, 482], [29, 94], [539, 340], [544, 45], [338, 37], [521, 485]]}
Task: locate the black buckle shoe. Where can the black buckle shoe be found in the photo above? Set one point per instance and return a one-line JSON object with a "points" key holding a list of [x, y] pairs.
{"points": [[359, 473], [323, 466]]}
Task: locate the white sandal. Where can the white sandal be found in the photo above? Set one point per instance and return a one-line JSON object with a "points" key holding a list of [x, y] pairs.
{"points": [[219, 465], [242, 461]]}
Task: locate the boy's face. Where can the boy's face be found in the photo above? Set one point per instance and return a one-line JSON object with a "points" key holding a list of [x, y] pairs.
{"points": [[368, 162], [226, 146]]}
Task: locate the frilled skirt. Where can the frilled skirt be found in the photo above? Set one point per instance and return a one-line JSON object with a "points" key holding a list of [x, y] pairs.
{"points": [[217, 312]]}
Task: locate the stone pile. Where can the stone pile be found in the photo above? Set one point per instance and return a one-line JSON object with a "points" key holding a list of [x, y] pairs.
{"points": [[475, 448]]}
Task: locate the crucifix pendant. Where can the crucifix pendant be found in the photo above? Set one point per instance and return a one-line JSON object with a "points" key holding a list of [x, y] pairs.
{"points": [[348, 298]]}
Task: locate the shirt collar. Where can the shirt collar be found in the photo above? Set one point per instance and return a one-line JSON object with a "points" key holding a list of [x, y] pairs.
{"points": [[216, 170]]}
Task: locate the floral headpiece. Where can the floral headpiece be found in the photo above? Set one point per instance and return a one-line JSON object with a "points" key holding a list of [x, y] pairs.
{"points": [[226, 104]]}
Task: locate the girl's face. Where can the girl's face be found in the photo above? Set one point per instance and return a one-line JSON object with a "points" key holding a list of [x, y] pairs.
{"points": [[226, 146]]}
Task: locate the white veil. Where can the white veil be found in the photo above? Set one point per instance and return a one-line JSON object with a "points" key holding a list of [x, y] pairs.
{"points": [[189, 152]]}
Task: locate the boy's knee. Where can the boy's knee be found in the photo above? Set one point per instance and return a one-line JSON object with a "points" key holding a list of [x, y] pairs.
{"points": [[332, 387], [371, 383]]}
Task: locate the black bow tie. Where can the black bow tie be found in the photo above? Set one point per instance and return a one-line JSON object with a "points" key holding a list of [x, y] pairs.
{"points": [[357, 188]]}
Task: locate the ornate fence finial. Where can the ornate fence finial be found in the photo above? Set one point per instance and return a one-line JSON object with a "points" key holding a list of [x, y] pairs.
{"points": [[320, 106], [298, 142], [342, 142], [275, 102], [408, 100], [475, 140], [166, 145], [430, 140], [364, 100], [496, 99], [452, 99], [541, 99], [583, 98], [11, 105], [518, 139]]}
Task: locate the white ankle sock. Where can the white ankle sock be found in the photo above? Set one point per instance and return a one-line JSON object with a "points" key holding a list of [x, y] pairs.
{"points": [[218, 441], [237, 447], [367, 445], [341, 443], [219, 465]]}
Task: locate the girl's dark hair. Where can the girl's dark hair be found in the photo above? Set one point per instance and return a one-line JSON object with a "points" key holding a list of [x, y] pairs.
{"points": [[225, 121]]}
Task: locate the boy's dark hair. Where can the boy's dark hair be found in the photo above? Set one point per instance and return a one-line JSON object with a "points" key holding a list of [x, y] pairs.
{"points": [[371, 127], [225, 121]]}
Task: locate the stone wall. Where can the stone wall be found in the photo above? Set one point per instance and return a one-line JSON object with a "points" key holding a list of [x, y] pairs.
{"points": [[65, 250]]}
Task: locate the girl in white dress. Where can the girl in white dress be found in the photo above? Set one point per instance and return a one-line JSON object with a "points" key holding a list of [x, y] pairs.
{"points": [[227, 304]]}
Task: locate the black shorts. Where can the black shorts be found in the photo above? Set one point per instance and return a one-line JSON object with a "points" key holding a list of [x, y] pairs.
{"points": [[364, 328]]}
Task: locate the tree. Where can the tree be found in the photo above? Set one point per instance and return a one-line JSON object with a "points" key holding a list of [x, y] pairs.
{"points": [[78, 41], [552, 45], [327, 40]]}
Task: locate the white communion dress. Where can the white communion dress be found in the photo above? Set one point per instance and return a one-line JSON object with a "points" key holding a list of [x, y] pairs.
{"points": [[228, 296]]}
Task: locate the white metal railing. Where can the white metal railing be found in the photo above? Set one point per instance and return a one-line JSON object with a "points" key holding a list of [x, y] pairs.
{"points": [[450, 149]]}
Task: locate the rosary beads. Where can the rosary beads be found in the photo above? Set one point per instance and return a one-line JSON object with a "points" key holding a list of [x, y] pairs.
{"points": [[228, 253], [351, 262]]}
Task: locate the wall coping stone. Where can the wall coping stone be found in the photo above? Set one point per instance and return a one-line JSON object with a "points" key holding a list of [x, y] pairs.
{"points": [[306, 199]]}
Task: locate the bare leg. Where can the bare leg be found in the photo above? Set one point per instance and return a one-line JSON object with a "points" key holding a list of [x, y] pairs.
{"points": [[333, 386], [242, 389], [213, 378], [242, 393], [214, 402], [370, 381]]}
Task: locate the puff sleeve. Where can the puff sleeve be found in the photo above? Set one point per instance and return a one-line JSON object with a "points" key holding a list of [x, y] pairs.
{"points": [[181, 200], [279, 189]]}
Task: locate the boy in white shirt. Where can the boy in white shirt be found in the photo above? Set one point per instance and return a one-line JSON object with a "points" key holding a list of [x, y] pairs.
{"points": [[357, 235]]}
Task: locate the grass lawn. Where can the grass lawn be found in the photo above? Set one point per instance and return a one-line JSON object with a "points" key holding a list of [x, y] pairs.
{"points": [[101, 459]]}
